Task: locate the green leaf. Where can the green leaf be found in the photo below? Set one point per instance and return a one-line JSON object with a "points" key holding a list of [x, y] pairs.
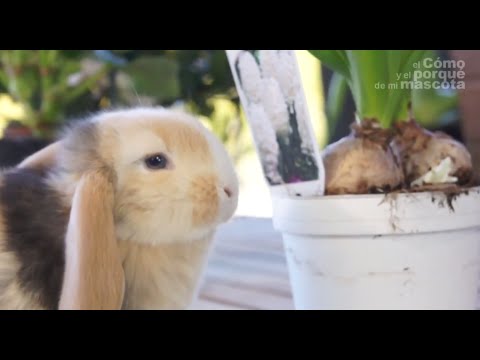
{"points": [[401, 67], [334, 59], [336, 96], [398, 95], [375, 79], [368, 69]]}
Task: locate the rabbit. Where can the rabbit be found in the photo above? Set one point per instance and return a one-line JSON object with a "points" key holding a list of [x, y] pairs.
{"points": [[119, 213]]}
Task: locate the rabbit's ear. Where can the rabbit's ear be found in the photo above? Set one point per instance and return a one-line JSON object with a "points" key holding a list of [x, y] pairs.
{"points": [[42, 159], [94, 278]]}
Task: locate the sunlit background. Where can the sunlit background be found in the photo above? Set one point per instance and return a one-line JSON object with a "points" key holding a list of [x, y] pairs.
{"points": [[41, 90]]}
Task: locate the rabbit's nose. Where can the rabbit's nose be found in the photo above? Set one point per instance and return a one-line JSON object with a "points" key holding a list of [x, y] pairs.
{"points": [[228, 191]]}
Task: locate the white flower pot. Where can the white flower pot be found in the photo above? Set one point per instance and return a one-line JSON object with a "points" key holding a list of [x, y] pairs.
{"points": [[408, 251]]}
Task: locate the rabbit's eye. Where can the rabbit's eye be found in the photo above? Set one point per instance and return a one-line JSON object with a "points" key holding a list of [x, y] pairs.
{"points": [[156, 162]]}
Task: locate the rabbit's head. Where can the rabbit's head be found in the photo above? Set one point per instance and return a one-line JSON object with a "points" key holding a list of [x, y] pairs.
{"points": [[171, 178]]}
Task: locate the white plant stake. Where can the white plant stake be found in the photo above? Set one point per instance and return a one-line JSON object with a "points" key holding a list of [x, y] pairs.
{"points": [[270, 90]]}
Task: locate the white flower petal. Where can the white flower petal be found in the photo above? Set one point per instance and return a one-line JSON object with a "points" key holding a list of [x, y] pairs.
{"points": [[266, 141], [275, 106], [281, 65], [269, 63], [438, 175], [302, 121], [250, 77]]}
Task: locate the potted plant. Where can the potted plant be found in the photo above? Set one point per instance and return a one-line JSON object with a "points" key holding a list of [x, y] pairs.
{"points": [[399, 224]]}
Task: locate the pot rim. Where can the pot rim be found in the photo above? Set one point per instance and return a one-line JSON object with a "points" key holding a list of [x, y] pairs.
{"points": [[377, 214], [463, 191]]}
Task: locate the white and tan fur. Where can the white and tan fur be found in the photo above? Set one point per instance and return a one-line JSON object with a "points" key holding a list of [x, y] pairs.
{"points": [[136, 238]]}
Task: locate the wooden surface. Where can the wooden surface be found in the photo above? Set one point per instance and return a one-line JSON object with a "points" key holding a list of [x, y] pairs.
{"points": [[247, 269]]}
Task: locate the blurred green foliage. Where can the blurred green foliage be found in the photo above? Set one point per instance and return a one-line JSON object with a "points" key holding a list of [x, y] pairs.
{"points": [[56, 85], [39, 80], [435, 107]]}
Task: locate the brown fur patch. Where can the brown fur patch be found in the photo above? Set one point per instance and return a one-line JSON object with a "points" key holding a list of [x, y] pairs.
{"points": [[204, 196], [34, 228], [12, 297], [8, 263]]}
